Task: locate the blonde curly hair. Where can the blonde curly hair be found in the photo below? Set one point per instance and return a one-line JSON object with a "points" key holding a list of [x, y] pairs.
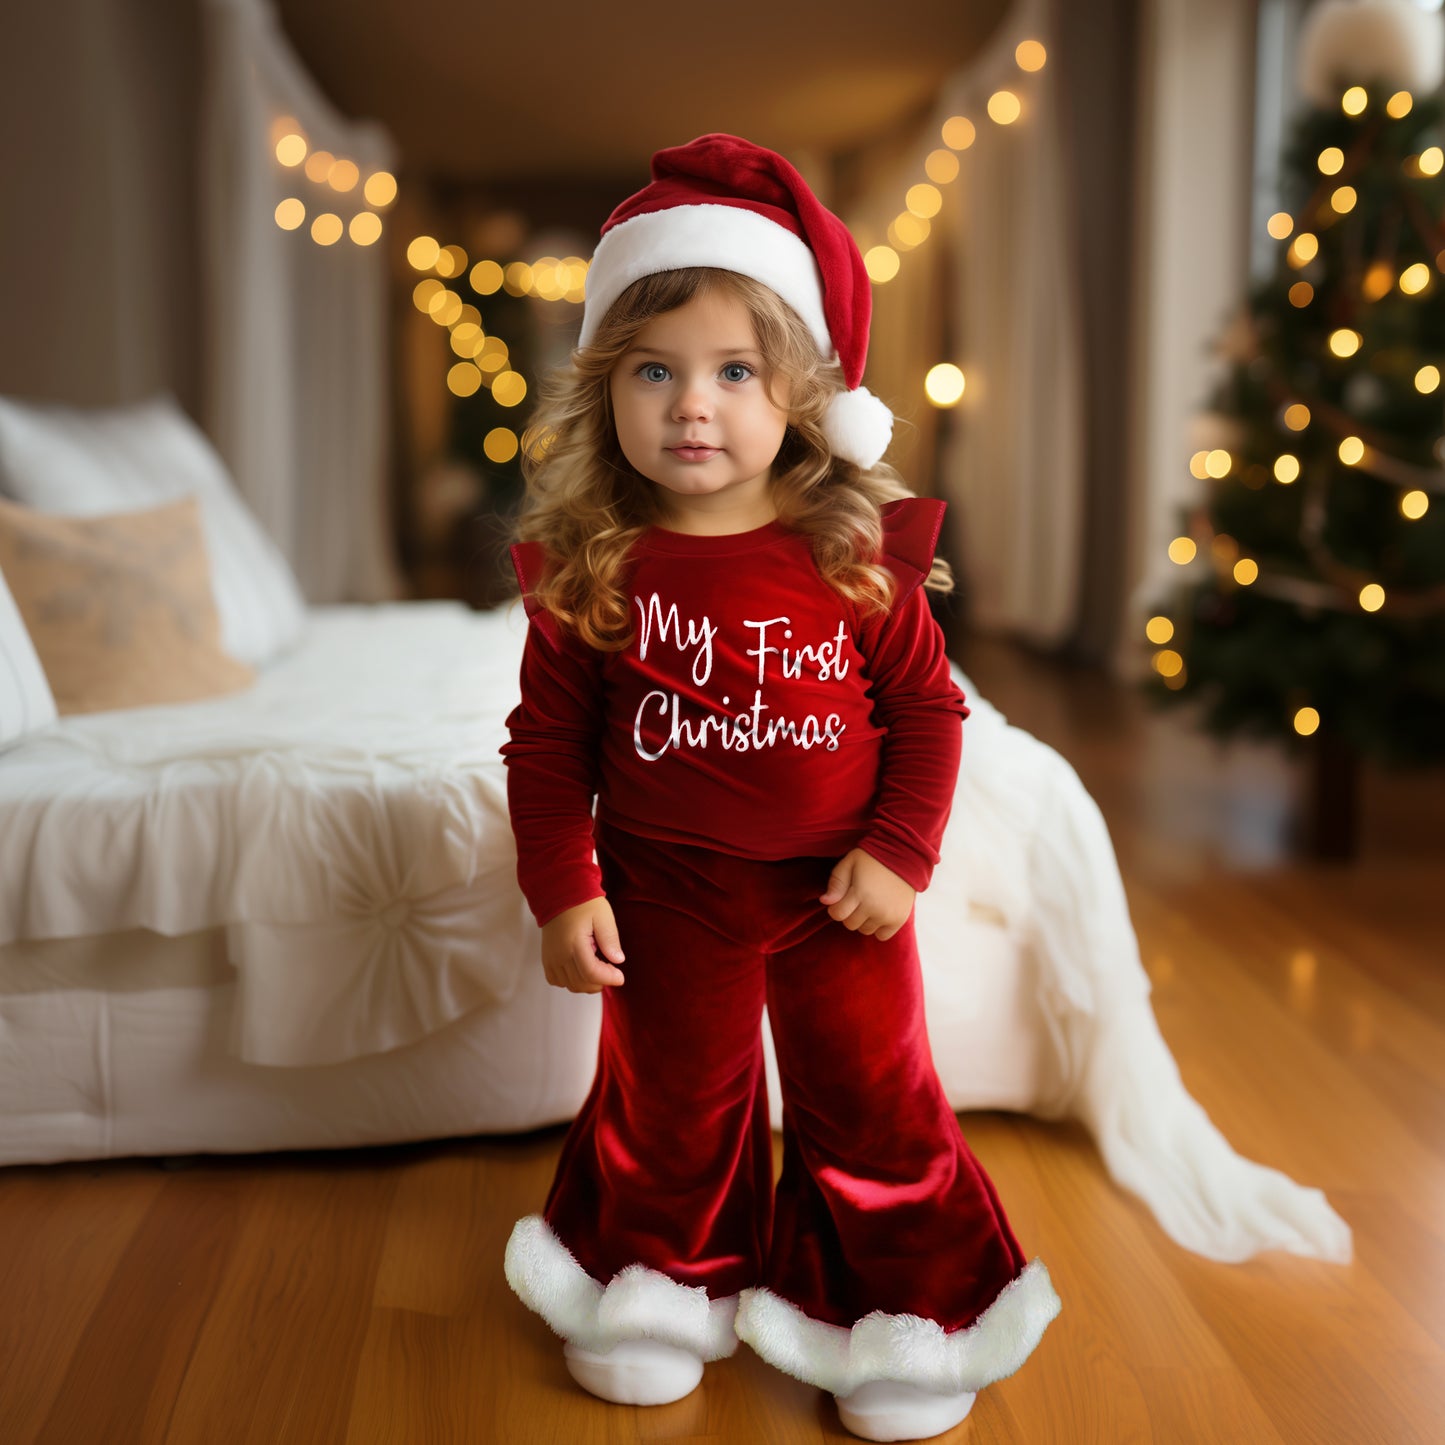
{"points": [[586, 504]]}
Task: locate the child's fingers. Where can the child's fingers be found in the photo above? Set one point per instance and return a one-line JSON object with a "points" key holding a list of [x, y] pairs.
{"points": [[838, 881], [609, 945], [842, 911]]}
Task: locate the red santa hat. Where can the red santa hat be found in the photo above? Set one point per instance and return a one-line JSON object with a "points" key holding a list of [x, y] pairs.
{"points": [[722, 201]]}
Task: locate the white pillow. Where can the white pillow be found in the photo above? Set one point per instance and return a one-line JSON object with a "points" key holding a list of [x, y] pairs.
{"points": [[26, 702], [83, 462]]}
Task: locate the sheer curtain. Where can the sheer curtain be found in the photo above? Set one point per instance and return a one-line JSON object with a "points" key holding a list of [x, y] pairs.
{"points": [[1009, 457], [295, 392]]}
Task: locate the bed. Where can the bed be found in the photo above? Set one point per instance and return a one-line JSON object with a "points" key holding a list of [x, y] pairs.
{"points": [[288, 918]]}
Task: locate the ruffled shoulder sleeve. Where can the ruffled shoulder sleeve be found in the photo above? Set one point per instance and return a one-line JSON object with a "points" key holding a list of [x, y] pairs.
{"points": [[529, 560], [910, 537]]}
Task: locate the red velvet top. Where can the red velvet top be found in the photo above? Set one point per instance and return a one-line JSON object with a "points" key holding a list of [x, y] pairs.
{"points": [[755, 712]]}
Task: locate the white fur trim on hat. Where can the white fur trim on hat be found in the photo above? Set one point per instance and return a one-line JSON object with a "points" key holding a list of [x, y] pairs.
{"points": [[902, 1347], [858, 427], [638, 1303], [727, 237], [1347, 42]]}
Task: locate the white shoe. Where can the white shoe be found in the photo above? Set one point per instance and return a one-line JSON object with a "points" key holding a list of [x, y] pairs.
{"points": [[891, 1410], [635, 1372]]}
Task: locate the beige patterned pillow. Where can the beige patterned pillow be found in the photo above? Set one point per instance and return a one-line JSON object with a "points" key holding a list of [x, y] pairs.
{"points": [[119, 607]]}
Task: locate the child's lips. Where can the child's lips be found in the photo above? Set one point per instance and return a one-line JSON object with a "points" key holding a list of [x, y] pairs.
{"points": [[694, 453]]}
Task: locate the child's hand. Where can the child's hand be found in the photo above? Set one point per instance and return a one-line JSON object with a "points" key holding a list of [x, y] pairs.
{"points": [[573, 945], [867, 896]]}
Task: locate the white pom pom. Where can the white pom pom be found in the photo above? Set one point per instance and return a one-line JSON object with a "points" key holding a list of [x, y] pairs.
{"points": [[858, 427], [1359, 42]]}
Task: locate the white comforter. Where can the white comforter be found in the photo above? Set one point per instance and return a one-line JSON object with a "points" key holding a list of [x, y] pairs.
{"points": [[345, 819]]}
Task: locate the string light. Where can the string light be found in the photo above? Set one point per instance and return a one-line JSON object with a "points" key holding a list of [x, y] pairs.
{"points": [[340, 175], [881, 263], [1354, 100], [1427, 379], [1398, 106], [1331, 161], [1286, 468], [1159, 630], [1182, 550], [1345, 341], [1414, 505], [1297, 416], [1351, 449], [1280, 225], [944, 384], [1306, 721], [1218, 463], [500, 444], [1301, 294], [1303, 249]]}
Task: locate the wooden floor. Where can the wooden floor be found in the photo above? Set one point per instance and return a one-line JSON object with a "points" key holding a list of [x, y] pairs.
{"points": [[358, 1297]]}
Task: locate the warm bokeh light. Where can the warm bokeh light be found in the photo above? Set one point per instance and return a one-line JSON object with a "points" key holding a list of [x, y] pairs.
{"points": [[290, 214], [343, 176], [500, 444], [326, 229], [1345, 342], [1280, 225], [1351, 449], [1301, 293], [1182, 550], [365, 228], [517, 278], [509, 388], [1372, 597], [1427, 379], [1167, 662], [291, 149], [1354, 100], [1245, 571], [1306, 721], [941, 166], [1378, 282], [1331, 160], [1218, 463], [1004, 107], [318, 165], [1286, 468], [451, 261], [1414, 505], [380, 188], [446, 309], [906, 231], [881, 263], [1030, 55], [1399, 104], [1159, 630], [959, 132], [486, 278], [424, 293], [1342, 199], [422, 253], [467, 339], [1297, 416], [464, 379], [944, 384], [924, 200], [1414, 279], [494, 354], [1303, 249], [1196, 465], [1431, 161]]}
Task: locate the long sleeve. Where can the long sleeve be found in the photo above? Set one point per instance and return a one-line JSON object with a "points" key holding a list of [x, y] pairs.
{"points": [[551, 760], [916, 699]]}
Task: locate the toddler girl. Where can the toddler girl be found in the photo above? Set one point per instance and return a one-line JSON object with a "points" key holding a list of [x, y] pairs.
{"points": [[731, 651]]}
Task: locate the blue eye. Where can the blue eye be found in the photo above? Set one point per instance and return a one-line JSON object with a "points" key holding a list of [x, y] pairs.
{"points": [[648, 368], [733, 366]]}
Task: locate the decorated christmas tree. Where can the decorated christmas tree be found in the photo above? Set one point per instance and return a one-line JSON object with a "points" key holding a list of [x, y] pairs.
{"points": [[1310, 607]]}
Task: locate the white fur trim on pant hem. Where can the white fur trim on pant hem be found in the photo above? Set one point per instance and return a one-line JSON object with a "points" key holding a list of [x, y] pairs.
{"points": [[902, 1347], [638, 1303]]}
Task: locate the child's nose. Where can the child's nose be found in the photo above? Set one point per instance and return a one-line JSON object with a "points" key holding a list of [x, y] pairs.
{"points": [[693, 402]]}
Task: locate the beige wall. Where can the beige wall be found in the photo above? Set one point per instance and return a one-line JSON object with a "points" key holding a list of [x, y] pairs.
{"points": [[98, 256]]}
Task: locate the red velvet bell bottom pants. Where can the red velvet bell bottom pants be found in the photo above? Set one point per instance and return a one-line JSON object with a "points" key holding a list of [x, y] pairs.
{"points": [[880, 1206]]}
